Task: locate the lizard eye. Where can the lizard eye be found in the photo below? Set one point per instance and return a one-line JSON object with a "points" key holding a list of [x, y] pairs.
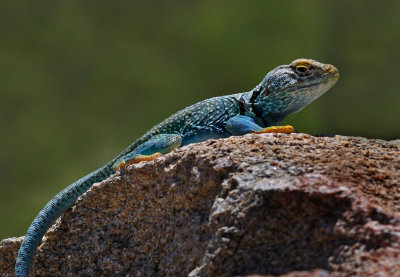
{"points": [[301, 68]]}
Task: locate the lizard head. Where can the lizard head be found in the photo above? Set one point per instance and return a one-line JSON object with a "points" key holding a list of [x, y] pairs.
{"points": [[289, 88]]}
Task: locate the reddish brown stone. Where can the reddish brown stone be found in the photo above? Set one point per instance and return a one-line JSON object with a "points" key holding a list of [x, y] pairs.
{"points": [[271, 204]]}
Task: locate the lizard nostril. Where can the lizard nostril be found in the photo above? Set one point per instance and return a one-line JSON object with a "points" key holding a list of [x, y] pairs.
{"points": [[331, 69]]}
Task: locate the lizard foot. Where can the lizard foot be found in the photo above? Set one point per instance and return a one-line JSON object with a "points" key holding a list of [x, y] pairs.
{"points": [[287, 129], [135, 160]]}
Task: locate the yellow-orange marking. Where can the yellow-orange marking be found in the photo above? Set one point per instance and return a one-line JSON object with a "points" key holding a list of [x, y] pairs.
{"points": [[278, 129]]}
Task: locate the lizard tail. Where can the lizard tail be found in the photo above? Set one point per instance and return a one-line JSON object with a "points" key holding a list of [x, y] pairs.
{"points": [[53, 209]]}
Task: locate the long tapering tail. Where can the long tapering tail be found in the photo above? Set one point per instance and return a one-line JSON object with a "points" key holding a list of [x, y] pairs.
{"points": [[53, 209]]}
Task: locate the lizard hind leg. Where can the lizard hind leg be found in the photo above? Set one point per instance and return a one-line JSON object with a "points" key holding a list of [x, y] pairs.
{"points": [[149, 150]]}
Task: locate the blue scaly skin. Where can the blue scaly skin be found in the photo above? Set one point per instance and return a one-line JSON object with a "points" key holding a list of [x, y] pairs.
{"points": [[285, 90]]}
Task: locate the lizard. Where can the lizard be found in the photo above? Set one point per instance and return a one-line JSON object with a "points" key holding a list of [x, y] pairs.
{"points": [[284, 90]]}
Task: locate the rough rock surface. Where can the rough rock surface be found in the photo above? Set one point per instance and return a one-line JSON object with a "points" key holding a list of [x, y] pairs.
{"points": [[272, 204]]}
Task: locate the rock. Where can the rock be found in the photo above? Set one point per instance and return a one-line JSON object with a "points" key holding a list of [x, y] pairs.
{"points": [[271, 204]]}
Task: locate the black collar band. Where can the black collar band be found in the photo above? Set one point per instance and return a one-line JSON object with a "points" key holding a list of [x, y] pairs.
{"points": [[253, 98]]}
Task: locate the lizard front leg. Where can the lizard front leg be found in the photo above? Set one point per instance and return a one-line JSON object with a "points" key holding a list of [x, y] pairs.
{"points": [[149, 150], [240, 125], [287, 129]]}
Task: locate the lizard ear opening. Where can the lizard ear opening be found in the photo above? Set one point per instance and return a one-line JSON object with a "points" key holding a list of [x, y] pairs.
{"points": [[266, 91]]}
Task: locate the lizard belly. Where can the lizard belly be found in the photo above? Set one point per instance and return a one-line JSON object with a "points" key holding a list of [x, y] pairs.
{"points": [[202, 135]]}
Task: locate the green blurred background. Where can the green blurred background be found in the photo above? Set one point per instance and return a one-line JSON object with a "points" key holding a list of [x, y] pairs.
{"points": [[80, 80]]}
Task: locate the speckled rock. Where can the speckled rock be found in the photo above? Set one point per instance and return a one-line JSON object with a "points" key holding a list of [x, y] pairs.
{"points": [[271, 204]]}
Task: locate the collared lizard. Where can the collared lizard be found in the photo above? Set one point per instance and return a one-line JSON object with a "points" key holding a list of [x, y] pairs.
{"points": [[284, 90]]}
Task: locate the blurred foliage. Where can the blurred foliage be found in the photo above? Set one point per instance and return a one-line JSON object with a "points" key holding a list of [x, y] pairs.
{"points": [[80, 80]]}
